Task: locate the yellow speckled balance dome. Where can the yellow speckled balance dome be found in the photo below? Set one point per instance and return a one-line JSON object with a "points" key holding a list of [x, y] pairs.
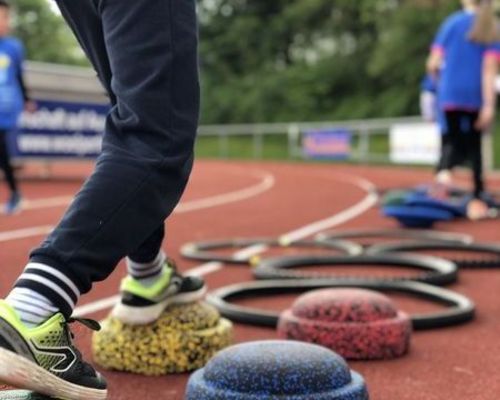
{"points": [[183, 339]]}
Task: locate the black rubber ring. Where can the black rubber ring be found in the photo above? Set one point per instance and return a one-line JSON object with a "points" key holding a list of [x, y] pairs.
{"points": [[202, 251], [476, 262], [460, 310], [439, 272], [417, 234]]}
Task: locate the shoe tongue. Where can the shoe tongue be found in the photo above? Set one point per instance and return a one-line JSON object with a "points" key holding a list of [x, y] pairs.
{"points": [[89, 323]]}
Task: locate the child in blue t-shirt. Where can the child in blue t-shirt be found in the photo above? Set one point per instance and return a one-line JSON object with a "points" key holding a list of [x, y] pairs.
{"points": [[13, 98], [464, 59]]}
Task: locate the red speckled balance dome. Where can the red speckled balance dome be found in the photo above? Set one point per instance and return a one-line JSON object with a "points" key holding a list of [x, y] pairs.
{"points": [[357, 324]]}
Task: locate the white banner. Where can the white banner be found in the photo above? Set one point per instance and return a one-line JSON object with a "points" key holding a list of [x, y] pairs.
{"points": [[416, 143]]}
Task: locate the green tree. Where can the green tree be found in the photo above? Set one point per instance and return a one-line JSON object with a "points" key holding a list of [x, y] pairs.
{"points": [[314, 59], [45, 34]]}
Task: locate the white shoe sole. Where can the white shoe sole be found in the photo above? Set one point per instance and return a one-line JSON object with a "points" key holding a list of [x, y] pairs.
{"points": [[147, 315], [22, 373]]}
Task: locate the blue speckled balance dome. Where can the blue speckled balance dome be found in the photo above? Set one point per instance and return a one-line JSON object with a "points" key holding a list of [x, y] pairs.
{"points": [[283, 370]]}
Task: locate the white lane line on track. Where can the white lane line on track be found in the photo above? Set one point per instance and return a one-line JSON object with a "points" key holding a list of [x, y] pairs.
{"points": [[96, 306], [267, 182], [25, 233], [340, 218], [36, 204]]}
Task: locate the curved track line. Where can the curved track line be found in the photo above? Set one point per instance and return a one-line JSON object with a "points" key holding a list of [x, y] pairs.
{"points": [[267, 182], [350, 213]]}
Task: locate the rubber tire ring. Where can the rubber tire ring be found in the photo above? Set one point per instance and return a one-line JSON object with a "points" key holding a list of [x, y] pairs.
{"points": [[460, 309], [417, 234], [439, 272], [416, 246], [202, 251]]}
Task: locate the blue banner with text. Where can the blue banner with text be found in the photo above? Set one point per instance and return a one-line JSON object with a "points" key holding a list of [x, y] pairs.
{"points": [[59, 130]]}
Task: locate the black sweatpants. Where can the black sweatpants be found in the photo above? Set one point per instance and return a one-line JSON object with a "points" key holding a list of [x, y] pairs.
{"points": [[462, 145], [145, 53], [5, 164]]}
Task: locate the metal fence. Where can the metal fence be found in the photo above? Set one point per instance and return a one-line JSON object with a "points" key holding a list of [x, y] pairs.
{"points": [[362, 130]]}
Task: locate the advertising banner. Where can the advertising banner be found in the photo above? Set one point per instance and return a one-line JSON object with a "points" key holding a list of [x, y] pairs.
{"points": [[327, 143], [417, 143], [59, 130]]}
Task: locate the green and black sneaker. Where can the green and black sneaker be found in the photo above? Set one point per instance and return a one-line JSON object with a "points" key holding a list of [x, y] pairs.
{"points": [[43, 359], [142, 305]]}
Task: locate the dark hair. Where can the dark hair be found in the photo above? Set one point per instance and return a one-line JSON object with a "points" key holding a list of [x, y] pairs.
{"points": [[4, 4]]}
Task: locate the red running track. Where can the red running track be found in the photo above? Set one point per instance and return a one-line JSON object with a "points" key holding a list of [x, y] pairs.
{"points": [[248, 199]]}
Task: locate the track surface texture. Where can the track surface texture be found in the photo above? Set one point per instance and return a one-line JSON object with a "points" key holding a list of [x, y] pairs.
{"points": [[248, 199]]}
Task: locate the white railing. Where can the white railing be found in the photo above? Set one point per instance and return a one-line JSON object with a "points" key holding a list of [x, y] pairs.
{"points": [[362, 130]]}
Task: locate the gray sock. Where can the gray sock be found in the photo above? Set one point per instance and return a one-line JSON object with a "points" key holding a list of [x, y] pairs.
{"points": [[147, 273]]}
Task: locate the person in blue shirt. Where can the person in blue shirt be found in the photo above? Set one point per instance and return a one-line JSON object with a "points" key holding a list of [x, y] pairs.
{"points": [[13, 98], [464, 60]]}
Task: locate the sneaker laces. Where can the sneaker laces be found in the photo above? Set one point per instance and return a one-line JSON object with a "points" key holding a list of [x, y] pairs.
{"points": [[87, 322], [83, 367]]}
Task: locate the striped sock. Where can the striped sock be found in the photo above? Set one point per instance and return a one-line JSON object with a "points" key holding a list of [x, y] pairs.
{"points": [[43, 282], [32, 307], [147, 273]]}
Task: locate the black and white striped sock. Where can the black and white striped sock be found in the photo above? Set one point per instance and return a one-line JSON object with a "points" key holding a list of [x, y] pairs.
{"points": [[46, 290], [147, 273], [33, 308]]}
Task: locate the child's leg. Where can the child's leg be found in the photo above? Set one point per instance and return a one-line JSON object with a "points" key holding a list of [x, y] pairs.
{"points": [[476, 209], [5, 165], [36, 306], [147, 262], [450, 145], [147, 150], [139, 178], [443, 170], [474, 139], [85, 22], [52, 285]]}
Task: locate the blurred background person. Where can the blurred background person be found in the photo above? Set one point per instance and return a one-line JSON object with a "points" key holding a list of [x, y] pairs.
{"points": [[464, 61], [428, 99], [13, 98]]}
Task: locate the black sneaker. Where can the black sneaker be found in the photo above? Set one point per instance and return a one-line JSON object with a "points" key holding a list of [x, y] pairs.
{"points": [[43, 359], [142, 305]]}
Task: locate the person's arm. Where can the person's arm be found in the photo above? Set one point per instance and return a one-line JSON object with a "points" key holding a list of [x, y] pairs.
{"points": [[29, 104], [435, 62], [490, 71], [22, 85], [438, 48]]}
